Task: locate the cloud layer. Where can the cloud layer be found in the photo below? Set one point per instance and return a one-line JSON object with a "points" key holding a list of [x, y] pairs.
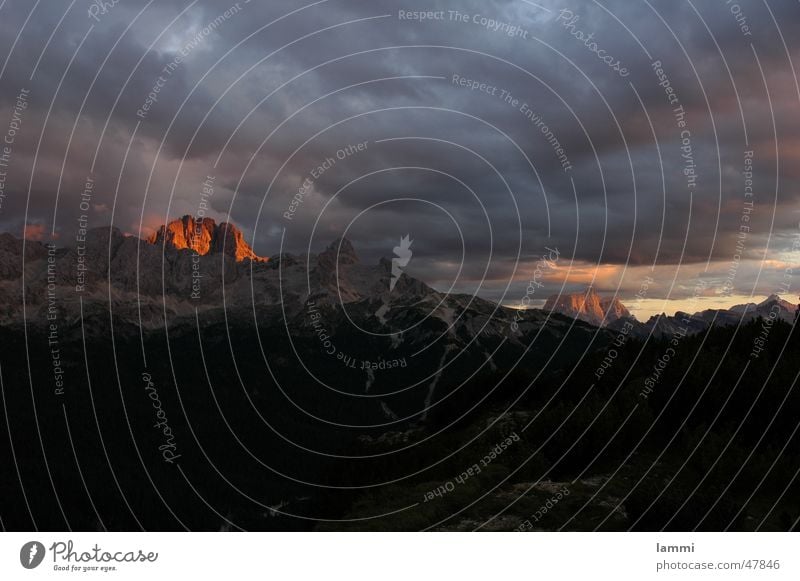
{"points": [[490, 130]]}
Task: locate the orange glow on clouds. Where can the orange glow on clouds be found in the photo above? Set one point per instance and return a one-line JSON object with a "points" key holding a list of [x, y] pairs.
{"points": [[603, 276]]}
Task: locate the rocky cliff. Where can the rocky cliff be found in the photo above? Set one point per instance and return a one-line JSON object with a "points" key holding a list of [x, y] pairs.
{"points": [[588, 306]]}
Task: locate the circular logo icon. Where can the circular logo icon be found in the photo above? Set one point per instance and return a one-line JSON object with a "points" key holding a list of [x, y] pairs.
{"points": [[31, 554]]}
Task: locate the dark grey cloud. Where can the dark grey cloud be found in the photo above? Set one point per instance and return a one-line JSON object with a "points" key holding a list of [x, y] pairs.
{"points": [[255, 89]]}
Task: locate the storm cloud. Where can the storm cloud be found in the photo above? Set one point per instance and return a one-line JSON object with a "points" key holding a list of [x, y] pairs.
{"points": [[644, 136]]}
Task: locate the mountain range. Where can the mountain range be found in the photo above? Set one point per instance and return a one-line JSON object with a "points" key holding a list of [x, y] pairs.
{"points": [[590, 307], [198, 266], [188, 267]]}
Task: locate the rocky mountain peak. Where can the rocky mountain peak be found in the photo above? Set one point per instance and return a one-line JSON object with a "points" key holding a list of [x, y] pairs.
{"points": [[615, 309], [588, 306], [340, 251], [347, 254], [186, 233], [204, 237], [230, 240], [775, 298]]}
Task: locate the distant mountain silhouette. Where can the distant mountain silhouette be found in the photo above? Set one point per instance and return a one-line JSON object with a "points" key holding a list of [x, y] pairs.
{"points": [[592, 308], [588, 306]]}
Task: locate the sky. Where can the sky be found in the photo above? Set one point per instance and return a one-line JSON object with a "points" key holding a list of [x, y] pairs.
{"points": [[648, 149]]}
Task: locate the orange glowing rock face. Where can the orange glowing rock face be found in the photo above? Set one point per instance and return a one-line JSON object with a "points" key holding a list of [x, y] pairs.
{"points": [[205, 237], [229, 239], [588, 306]]}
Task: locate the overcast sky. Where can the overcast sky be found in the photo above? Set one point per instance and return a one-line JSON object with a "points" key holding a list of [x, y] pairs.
{"points": [[567, 139]]}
